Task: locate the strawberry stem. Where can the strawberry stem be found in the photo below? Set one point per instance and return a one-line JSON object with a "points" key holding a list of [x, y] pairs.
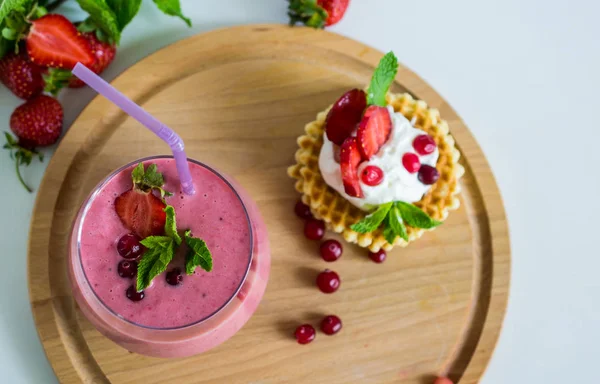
{"points": [[21, 178]]}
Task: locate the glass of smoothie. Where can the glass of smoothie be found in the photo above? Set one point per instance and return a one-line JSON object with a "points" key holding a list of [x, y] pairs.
{"points": [[178, 314]]}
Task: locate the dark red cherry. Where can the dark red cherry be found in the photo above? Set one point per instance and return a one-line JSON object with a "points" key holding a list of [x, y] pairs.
{"points": [[331, 250], [134, 295], [129, 246], [127, 268], [428, 175], [331, 325], [305, 334], [328, 281], [314, 229]]}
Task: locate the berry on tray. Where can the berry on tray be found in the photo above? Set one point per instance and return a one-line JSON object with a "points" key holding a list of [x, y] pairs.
{"points": [[331, 325], [314, 229], [305, 334], [331, 250], [328, 281]]}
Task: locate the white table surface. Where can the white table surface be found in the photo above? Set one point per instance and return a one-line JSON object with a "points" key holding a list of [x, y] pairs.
{"points": [[524, 76]]}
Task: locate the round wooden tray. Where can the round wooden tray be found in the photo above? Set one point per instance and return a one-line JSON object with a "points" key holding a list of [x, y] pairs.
{"points": [[239, 97]]}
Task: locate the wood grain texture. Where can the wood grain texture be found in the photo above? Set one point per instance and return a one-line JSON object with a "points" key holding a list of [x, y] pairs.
{"points": [[239, 97]]}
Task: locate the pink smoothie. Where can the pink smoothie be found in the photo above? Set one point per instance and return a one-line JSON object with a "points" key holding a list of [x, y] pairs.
{"points": [[203, 311], [215, 214]]}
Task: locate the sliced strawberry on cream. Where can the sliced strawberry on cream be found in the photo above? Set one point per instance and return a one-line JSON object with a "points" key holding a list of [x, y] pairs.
{"points": [[374, 131], [349, 160]]}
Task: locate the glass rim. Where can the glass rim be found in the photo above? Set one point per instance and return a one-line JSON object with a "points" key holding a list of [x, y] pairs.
{"points": [[92, 196]]}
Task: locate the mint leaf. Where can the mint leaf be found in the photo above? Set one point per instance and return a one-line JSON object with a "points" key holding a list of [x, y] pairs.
{"points": [[394, 226], [171, 225], [198, 255], [124, 10], [415, 217], [382, 80], [148, 179], [103, 17], [138, 174], [159, 253], [372, 221], [172, 8]]}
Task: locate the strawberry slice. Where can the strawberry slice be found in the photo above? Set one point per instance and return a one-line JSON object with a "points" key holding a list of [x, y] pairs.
{"points": [[141, 212], [374, 131], [345, 115], [53, 41], [350, 158]]}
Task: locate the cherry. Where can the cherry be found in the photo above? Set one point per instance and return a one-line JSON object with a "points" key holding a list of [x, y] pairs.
{"points": [[411, 162], [424, 144], [378, 257], [345, 115], [428, 175], [127, 269], [331, 325], [372, 175], [442, 380], [328, 281], [302, 210], [129, 246], [314, 229], [134, 295], [305, 334], [174, 277], [331, 250]]}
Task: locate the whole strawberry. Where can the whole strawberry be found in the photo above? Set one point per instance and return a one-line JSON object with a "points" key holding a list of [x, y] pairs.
{"points": [[36, 123], [21, 76], [317, 13], [104, 53]]}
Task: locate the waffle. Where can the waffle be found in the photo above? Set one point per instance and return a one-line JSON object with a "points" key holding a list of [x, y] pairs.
{"points": [[328, 205]]}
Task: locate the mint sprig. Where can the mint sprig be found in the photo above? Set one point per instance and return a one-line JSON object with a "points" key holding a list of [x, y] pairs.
{"points": [[382, 79], [198, 256], [395, 216], [148, 179]]}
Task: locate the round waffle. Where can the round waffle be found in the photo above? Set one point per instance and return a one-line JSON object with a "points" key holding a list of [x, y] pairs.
{"points": [[328, 205]]}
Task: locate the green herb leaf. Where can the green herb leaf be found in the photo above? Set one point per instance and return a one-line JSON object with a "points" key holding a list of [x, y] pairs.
{"points": [[159, 253], [307, 12], [171, 225], [124, 10], [415, 217], [9, 34], [394, 226], [172, 8], [384, 76], [20, 6], [372, 221], [103, 16], [198, 255], [148, 179]]}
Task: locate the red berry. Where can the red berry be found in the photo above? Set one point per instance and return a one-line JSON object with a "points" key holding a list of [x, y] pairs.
{"points": [[428, 175], [134, 295], [331, 250], [331, 325], [305, 334], [302, 210], [314, 229], [378, 257], [174, 277], [104, 53], [129, 246], [127, 269], [442, 380], [424, 144], [38, 121], [350, 158], [328, 281], [141, 212], [411, 162], [372, 175], [21, 76], [345, 115], [374, 131]]}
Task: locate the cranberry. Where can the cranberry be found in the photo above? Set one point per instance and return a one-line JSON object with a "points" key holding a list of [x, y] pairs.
{"points": [[424, 144], [129, 246], [134, 295], [314, 229], [302, 210], [305, 334], [331, 325], [174, 277], [372, 175], [127, 268], [331, 250], [378, 257], [428, 175], [328, 281], [411, 162]]}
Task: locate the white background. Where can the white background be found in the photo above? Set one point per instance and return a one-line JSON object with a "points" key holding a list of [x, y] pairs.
{"points": [[523, 74]]}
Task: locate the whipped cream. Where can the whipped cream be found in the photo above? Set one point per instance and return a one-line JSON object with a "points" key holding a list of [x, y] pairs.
{"points": [[398, 184]]}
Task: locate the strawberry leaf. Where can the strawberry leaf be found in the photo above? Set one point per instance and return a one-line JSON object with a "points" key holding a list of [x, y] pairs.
{"points": [[148, 179], [103, 17], [198, 256], [124, 10], [383, 77], [172, 8], [8, 6], [307, 12], [21, 156]]}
